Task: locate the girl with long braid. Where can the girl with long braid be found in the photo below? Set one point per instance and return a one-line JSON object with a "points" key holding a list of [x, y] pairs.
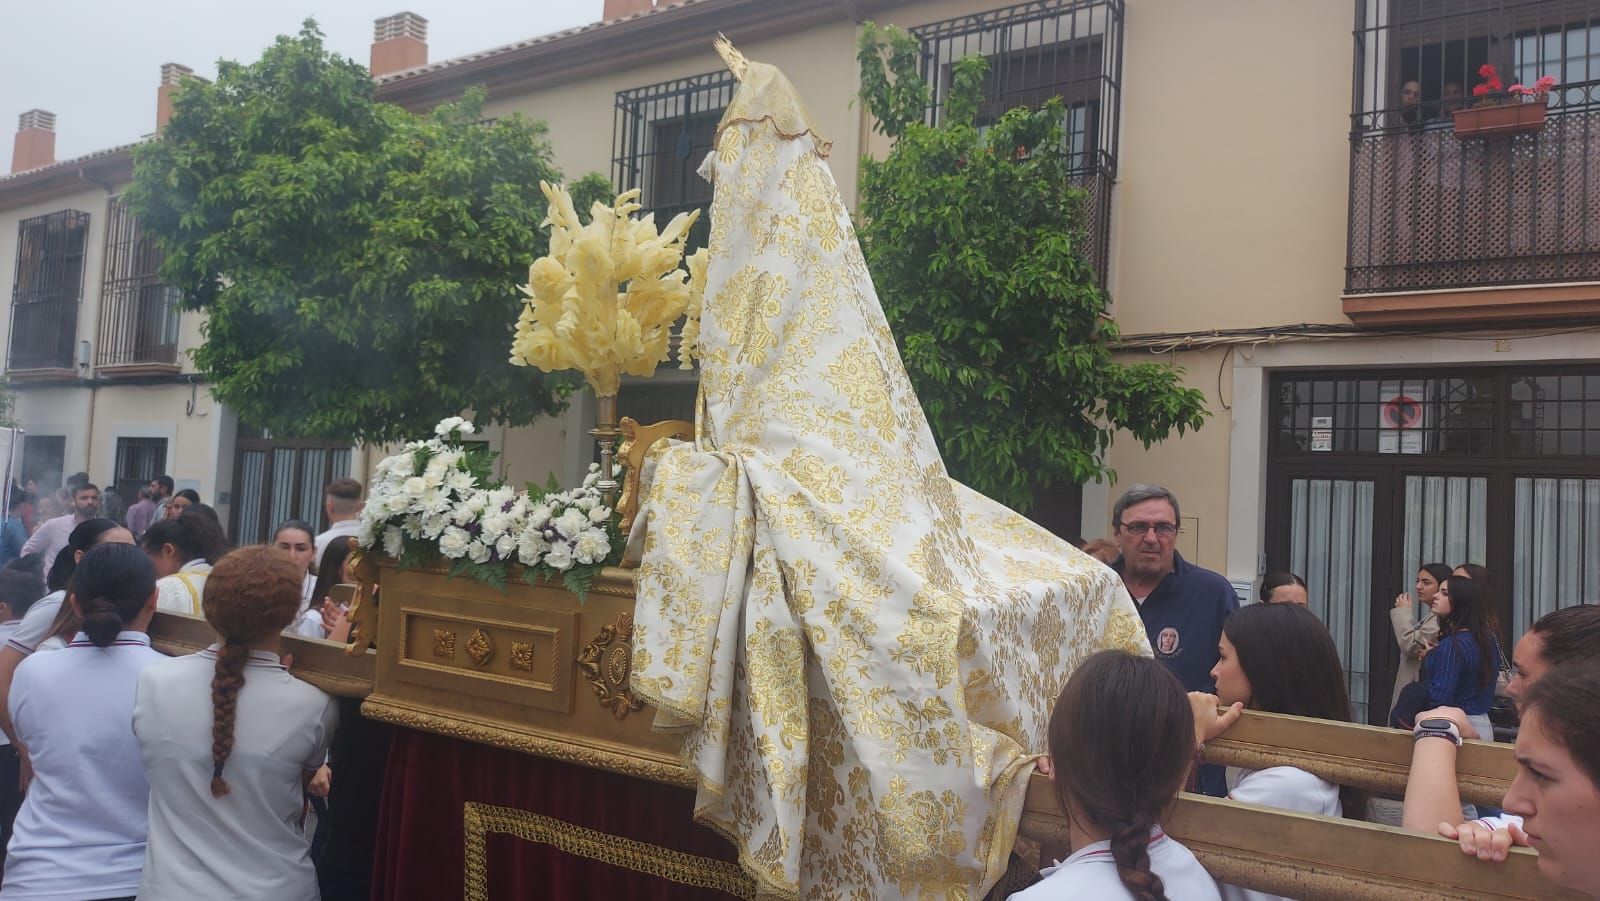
{"points": [[1122, 738], [230, 740]]}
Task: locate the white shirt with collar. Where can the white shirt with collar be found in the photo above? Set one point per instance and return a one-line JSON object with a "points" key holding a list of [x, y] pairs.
{"points": [[1285, 787], [248, 843], [81, 830], [344, 528], [35, 625], [1091, 872], [181, 592]]}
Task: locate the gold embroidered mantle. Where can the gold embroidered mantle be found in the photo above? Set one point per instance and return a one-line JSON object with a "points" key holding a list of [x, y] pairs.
{"points": [[860, 653]]}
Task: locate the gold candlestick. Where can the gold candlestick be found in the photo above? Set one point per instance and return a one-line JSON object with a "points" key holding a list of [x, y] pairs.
{"points": [[606, 433]]}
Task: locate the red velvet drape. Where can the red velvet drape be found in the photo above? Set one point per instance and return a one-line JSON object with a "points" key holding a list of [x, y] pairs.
{"points": [[420, 825]]}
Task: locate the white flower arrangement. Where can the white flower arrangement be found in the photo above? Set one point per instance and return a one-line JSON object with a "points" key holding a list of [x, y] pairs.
{"points": [[437, 499]]}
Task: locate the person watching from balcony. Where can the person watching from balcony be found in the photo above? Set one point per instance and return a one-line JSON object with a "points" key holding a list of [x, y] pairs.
{"points": [[52, 536], [1418, 632], [1412, 111], [1433, 799], [1124, 735], [341, 500], [1453, 98], [1279, 658], [1283, 588]]}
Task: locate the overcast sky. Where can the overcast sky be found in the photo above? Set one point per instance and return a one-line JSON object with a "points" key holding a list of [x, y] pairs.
{"points": [[96, 63]]}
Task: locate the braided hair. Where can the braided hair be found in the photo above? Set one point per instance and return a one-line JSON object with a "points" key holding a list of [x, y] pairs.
{"points": [[251, 594], [1123, 737]]}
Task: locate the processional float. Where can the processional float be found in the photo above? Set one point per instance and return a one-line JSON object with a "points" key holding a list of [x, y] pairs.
{"points": [[826, 667]]}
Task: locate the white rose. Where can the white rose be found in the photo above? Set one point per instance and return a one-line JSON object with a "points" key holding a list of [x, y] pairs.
{"points": [[453, 543], [393, 541], [559, 557], [415, 486], [591, 547], [448, 425], [599, 514], [466, 428]]}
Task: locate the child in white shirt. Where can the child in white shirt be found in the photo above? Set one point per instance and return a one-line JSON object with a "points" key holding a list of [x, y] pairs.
{"points": [[1121, 741]]}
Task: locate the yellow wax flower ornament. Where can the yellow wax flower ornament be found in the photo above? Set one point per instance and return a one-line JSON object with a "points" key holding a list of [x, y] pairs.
{"points": [[604, 299]]}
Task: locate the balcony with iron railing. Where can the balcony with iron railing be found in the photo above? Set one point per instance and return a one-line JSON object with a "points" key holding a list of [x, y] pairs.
{"points": [[139, 315], [46, 289], [1449, 222]]}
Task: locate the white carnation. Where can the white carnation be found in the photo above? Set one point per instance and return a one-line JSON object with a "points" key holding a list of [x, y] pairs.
{"points": [[448, 425], [599, 514], [559, 557], [591, 546], [572, 522], [432, 526], [505, 545], [454, 542], [397, 503], [478, 552], [415, 486], [538, 515], [466, 428], [531, 546]]}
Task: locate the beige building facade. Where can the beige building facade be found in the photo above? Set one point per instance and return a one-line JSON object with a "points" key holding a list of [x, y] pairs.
{"points": [[1391, 313]]}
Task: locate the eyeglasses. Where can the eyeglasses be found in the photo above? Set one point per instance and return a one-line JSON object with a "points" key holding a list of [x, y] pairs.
{"points": [[1139, 529]]}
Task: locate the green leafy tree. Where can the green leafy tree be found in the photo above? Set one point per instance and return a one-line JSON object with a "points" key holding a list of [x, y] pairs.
{"points": [[976, 242], [356, 263]]}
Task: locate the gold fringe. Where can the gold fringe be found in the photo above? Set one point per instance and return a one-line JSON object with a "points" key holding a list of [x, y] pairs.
{"points": [[640, 857]]}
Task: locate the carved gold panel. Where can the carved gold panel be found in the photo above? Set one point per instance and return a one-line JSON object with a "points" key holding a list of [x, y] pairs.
{"points": [[549, 636], [522, 656], [480, 648], [605, 662], [444, 643]]}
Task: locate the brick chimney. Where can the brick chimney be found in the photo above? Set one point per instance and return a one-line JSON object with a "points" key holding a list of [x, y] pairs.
{"points": [[399, 42], [172, 75], [36, 141], [616, 9]]}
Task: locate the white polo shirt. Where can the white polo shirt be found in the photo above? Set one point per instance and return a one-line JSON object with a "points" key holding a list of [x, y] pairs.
{"points": [[1091, 872], [35, 625], [248, 843], [1286, 787], [81, 830]]}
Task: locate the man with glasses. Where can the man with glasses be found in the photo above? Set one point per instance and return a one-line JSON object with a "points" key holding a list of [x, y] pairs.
{"points": [[1182, 605]]}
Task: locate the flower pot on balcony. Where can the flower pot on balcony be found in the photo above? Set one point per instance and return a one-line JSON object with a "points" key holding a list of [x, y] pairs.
{"points": [[1504, 119]]}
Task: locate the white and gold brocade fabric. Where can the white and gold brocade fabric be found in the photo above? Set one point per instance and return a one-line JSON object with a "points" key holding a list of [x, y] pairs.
{"points": [[861, 654]]}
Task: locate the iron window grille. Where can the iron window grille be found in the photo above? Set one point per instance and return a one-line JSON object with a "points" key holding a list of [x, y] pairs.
{"points": [[1431, 211], [1071, 49], [662, 133], [139, 316], [46, 291], [138, 461]]}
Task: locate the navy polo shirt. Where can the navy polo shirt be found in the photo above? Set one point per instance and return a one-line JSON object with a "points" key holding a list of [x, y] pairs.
{"points": [[1183, 618]]}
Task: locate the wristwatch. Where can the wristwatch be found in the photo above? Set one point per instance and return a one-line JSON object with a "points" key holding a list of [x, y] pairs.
{"points": [[1437, 727]]}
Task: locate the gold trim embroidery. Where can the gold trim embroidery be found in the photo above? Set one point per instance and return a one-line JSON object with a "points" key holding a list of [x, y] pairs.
{"points": [[522, 656], [606, 667], [681, 867], [480, 648], [444, 643]]}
